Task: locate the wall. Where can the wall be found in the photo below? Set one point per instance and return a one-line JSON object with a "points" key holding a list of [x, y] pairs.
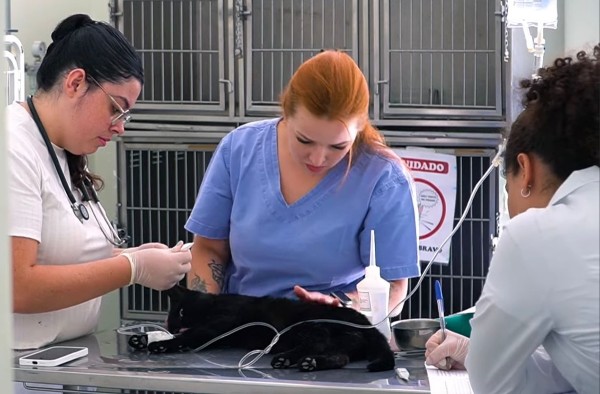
{"points": [[6, 359], [35, 20], [578, 28], [582, 24]]}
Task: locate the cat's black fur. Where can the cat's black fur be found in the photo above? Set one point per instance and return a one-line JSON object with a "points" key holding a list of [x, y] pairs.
{"points": [[195, 318]]}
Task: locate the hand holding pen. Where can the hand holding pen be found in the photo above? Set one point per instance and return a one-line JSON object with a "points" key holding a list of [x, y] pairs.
{"points": [[439, 297], [438, 352], [445, 349]]}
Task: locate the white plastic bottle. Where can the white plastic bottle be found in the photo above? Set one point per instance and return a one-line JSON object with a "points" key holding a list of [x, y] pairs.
{"points": [[374, 294]]}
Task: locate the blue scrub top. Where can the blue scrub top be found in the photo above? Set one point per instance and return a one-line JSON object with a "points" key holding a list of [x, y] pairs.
{"points": [[321, 241]]}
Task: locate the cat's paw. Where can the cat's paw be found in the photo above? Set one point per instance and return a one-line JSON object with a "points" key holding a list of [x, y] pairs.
{"points": [[157, 347], [307, 364], [138, 342], [280, 362]]}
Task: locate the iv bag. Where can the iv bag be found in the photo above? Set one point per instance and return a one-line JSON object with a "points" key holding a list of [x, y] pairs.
{"points": [[536, 13]]}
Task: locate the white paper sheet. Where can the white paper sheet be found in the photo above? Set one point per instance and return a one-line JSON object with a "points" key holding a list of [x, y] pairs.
{"points": [[448, 382]]}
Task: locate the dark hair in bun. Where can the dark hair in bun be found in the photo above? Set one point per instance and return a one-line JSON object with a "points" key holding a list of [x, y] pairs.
{"points": [[97, 47]]}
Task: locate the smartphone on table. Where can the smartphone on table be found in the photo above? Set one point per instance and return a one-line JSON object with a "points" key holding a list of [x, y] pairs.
{"points": [[53, 356]]}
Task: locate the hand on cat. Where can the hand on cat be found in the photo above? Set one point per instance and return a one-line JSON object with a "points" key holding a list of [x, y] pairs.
{"points": [[159, 268], [455, 347], [315, 296]]}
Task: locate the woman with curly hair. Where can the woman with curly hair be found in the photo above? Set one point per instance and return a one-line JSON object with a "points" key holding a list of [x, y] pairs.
{"points": [[536, 326]]}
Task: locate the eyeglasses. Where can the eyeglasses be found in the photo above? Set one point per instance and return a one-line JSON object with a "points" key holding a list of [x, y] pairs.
{"points": [[123, 115]]}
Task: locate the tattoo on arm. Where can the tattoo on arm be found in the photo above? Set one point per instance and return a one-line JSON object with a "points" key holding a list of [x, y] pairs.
{"points": [[198, 284], [218, 272]]}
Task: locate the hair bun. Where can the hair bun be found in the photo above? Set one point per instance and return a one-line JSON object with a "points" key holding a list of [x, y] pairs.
{"points": [[70, 24]]}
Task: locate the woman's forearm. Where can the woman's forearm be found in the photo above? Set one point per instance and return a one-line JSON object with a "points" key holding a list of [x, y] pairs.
{"points": [[398, 291], [207, 275], [46, 288]]}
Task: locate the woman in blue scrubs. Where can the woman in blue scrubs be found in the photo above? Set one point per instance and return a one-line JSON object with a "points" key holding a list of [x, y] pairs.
{"points": [[287, 205]]}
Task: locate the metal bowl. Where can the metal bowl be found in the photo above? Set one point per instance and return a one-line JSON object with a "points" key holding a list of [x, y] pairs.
{"points": [[412, 334]]}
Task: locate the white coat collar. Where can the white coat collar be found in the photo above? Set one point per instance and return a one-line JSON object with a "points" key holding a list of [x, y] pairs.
{"points": [[576, 180]]}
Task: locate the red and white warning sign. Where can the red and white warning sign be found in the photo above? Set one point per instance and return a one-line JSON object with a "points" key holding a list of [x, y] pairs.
{"points": [[435, 182]]}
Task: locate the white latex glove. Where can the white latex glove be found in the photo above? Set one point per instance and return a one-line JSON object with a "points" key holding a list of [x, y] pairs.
{"points": [[149, 245], [159, 268], [455, 347]]}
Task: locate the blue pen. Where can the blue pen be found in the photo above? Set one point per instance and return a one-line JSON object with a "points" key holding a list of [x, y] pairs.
{"points": [[440, 304]]}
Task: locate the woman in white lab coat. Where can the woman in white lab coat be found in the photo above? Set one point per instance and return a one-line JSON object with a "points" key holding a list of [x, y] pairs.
{"points": [[536, 326], [65, 256], [65, 253]]}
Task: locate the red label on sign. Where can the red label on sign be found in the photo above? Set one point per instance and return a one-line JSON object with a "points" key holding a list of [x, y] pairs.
{"points": [[438, 167]]}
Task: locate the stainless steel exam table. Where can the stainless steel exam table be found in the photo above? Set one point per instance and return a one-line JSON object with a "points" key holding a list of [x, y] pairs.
{"points": [[112, 366]]}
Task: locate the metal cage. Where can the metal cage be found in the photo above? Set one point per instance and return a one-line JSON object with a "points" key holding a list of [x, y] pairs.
{"points": [[281, 35], [229, 60], [158, 213], [438, 58], [183, 53]]}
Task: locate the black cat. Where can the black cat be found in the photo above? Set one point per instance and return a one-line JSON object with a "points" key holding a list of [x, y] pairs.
{"points": [[195, 318]]}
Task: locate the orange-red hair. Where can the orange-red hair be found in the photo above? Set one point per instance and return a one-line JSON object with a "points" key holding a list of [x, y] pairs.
{"points": [[332, 86]]}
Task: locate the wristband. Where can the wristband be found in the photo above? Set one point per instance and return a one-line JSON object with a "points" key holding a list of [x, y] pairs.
{"points": [[131, 260]]}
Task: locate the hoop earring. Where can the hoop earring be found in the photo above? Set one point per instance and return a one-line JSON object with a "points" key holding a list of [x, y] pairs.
{"points": [[527, 193]]}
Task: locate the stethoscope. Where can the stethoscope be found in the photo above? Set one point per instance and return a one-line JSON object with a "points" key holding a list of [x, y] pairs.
{"points": [[88, 192]]}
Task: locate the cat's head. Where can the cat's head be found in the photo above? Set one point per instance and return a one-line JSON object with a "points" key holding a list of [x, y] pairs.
{"points": [[181, 300]]}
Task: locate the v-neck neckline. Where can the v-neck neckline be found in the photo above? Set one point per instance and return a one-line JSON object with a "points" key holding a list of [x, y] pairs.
{"points": [[314, 196]]}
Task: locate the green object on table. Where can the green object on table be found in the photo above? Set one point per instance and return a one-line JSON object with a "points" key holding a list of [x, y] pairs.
{"points": [[460, 323]]}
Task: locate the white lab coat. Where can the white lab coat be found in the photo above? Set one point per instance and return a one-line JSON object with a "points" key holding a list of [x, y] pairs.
{"points": [[543, 289], [40, 210]]}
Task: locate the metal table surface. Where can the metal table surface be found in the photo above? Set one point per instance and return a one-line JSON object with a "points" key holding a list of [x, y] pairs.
{"points": [[111, 364]]}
